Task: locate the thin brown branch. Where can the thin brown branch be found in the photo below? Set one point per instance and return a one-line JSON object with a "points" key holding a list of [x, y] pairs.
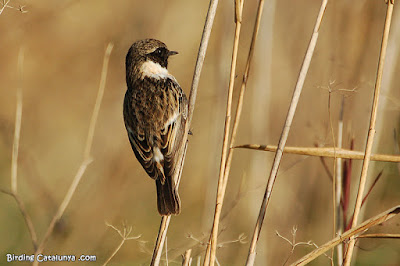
{"points": [[163, 229], [378, 219], [372, 186], [285, 132], [339, 186], [395, 236], [211, 248], [86, 160], [326, 167], [347, 184], [15, 151], [335, 173], [293, 243], [124, 236], [365, 197], [17, 130], [20, 8], [26, 216], [323, 152], [4, 6], [162, 234], [212, 9], [371, 131], [186, 258]]}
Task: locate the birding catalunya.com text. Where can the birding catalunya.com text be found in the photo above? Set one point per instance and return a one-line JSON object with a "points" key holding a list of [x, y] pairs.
{"points": [[48, 258]]}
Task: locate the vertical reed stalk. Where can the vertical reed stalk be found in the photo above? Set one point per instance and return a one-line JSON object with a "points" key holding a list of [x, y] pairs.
{"points": [[371, 131], [285, 132], [212, 245]]}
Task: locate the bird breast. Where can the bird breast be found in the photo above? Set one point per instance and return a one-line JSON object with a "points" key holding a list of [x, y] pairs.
{"points": [[154, 70]]}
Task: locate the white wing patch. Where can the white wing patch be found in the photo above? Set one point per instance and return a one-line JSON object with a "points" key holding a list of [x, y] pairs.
{"points": [[154, 70], [172, 119], [157, 155]]}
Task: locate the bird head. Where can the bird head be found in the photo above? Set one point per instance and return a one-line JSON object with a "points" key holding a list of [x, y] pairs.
{"points": [[148, 52]]}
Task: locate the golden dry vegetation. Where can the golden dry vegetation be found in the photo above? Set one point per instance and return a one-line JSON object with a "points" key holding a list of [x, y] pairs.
{"points": [[64, 44]]}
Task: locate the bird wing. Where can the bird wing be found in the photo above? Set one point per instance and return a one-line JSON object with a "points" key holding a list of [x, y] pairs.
{"points": [[172, 134], [143, 151], [138, 138]]}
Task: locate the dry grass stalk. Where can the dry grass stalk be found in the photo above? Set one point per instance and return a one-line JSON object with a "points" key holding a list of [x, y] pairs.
{"points": [[86, 159], [324, 152], [335, 178], [26, 216], [18, 119], [285, 133], [378, 219], [371, 131], [192, 101], [162, 231], [211, 248], [124, 236], [237, 116], [186, 259], [242, 90], [295, 244], [395, 236], [14, 161], [5, 4], [162, 234], [338, 186]]}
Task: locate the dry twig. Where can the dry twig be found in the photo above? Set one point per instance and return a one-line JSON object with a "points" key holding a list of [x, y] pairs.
{"points": [[285, 132], [293, 243], [378, 219], [371, 131], [26, 216], [5, 4], [323, 152], [17, 131], [395, 236], [86, 159], [15, 151], [338, 186], [124, 235], [211, 248], [20, 8], [186, 258]]}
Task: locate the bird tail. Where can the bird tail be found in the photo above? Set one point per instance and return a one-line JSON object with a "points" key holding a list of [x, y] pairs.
{"points": [[168, 201]]}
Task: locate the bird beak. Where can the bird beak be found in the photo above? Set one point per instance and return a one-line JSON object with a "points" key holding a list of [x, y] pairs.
{"points": [[172, 53]]}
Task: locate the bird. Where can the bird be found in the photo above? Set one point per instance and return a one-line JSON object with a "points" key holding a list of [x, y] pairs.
{"points": [[155, 113]]}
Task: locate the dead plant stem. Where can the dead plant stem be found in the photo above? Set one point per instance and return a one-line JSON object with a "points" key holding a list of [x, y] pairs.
{"points": [[211, 247], [371, 131], [323, 152], [284, 135], [86, 156], [378, 219]]}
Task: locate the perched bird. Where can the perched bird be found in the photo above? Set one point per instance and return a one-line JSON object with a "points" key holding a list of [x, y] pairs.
{"points": [[155, 114]]}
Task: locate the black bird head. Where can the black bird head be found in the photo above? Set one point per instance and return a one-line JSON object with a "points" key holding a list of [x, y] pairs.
{"points": [[147, 50]]}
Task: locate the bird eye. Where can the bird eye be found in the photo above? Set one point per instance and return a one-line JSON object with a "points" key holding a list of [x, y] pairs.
{"points": [[159, 51]]}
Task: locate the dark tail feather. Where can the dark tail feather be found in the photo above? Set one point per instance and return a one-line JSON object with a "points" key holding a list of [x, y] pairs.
{"points": [[168, 201]]}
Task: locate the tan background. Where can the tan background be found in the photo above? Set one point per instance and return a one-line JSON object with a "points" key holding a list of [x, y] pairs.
{"points": [[64, 43]]}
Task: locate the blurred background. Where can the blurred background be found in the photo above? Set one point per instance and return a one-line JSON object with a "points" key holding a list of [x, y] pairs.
{"points": [[64, 44]]}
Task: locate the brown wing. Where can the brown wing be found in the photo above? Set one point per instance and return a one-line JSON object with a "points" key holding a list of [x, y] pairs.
{"points": [[172, 133], [169, 136], [138, 138]]}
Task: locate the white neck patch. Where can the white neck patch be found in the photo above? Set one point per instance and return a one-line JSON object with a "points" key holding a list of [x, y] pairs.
{"points": [[154, 70]]}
